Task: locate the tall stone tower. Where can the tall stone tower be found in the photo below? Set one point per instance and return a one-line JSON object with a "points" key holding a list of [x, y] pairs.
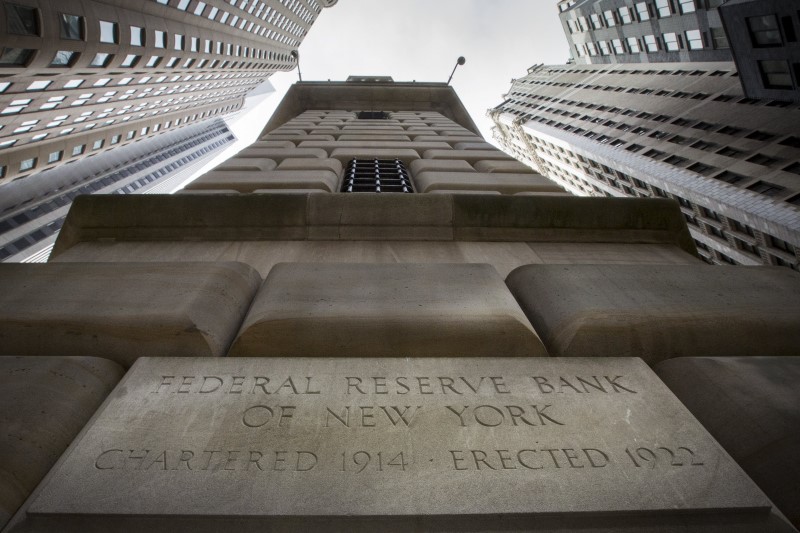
{"points": [[372, 319]]}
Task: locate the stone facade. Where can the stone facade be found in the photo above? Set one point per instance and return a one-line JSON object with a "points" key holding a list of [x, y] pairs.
{"points": [[305, 350]]}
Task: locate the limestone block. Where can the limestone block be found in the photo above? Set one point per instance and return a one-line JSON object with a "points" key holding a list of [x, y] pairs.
{"points": [[471, 156], [429, 181], [389, 310], [375, 144], [272, 144], [273, 179], [472, 145], [658, 312], [122, 311], [207, 191], [443, 138], [291, 191], [279, 154], [334, 165], [397, 217], [363, 445], [439, 165], [751, 406], [375, 137], [247, 163], [514, 167], [464, 191], [405, 155], [297, 138], [44, 403]]}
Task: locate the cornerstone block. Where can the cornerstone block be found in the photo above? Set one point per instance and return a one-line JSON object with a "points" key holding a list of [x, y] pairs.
{"points": [[259, 442]]}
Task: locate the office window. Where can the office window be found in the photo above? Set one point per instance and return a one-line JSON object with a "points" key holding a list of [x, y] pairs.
{"points": [[15, 57], [38, 85], [153, 61], [663, 8], [687, 6], [178, 41], [376, 175], [27, 164], [671, 42], [115, 139], [101, 60], [183, 4], [64, 58], [198, 10], [596, 22], [22, 20], [633, 45], [764, 31], [160, 40], [642, 11], [55, 156], [109, 32], [97, 144], [608, 15], [130, 60], [775, 74], [194, 44], [766, 188], [137, 36], [604, 48], [694, 40], [71, 27], [625, 15], [651, 43], [619, 47], [592, 48]]}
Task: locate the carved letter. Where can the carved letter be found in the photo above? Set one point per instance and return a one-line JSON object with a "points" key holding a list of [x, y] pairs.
{"points": [[261, 383], [166, 381], [288, 383], [354, 383], [458, 414], [238, 381], [492, 408], [400, 416], [456, 459], [615, 385], [447, 383], [99, 457], [206, 379], [498, 383], [185, 385], [366, 414], [380, 386], [344, 419], [257, 416], [518, 412], [544, 386], [308, 387], [480, 457], [541, 414], [592, 461], [571, 456], [310, 461], [474, 389], [523, 463], [595, 385]]}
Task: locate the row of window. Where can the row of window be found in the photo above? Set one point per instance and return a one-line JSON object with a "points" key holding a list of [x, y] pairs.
{"points": [[670, 42], [65, 199], [742, 237], [640, 12], [29, 164], [25, 20]]}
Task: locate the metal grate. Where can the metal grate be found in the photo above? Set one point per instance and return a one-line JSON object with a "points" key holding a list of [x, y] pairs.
{"points": [[376, 175]]}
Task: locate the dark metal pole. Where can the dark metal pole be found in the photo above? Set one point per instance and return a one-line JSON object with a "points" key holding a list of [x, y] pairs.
{"points": [[296, 55], [461, 60]]}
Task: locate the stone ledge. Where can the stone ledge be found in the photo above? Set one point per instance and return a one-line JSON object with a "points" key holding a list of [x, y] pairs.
{"points": [[122, 311], [385, 310], [200, 217], [658, 312], [751, 406], [44, 403]]}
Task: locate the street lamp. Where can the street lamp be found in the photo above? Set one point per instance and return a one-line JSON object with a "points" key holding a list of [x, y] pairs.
{"points": [[296, 55], [461, 61]]}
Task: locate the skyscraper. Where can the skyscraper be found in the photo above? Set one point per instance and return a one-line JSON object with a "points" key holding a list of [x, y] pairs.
{"points": [[646, 31], [81, 78], [655, 107], [372, 319]]}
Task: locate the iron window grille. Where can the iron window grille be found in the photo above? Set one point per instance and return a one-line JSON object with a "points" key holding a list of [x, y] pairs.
{"points": [[377, 175]]}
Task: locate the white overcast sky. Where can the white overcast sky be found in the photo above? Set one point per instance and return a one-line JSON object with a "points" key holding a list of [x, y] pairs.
{"points": [[421, 40]]}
